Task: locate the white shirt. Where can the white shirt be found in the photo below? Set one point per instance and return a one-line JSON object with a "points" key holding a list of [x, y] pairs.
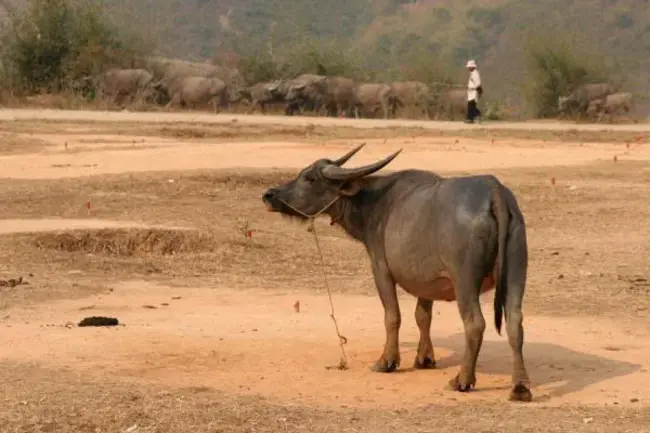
{"points": [[472, 84]]}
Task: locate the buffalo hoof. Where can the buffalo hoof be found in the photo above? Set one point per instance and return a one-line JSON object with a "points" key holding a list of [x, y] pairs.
{"points": [[383, 366], [521, 393], [427, 363], [457, 385]]}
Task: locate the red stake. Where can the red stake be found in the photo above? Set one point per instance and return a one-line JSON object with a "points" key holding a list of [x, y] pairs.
{"points": [[88, 206], [296, 306], [615, 159], [553, 181]]}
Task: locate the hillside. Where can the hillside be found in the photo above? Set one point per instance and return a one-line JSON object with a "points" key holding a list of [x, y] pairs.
{"points": [[392, 38], [384, 35]]}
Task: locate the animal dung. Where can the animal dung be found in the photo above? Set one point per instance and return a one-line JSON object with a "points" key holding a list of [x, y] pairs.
{"points": [[98, 321], [12, 282]]}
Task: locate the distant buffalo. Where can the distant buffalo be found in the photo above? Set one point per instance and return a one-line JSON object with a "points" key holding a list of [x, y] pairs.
{"points": [[580, 98], [194, 91], [120, 85]]}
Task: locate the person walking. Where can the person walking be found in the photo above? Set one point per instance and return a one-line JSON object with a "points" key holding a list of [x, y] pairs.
{"points": [[474, 92]]}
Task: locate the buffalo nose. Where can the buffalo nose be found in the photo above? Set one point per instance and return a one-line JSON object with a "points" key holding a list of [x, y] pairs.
{"points": [[268, 195]]}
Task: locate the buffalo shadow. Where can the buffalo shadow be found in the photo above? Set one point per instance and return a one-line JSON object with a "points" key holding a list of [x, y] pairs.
{"points": [[546, 363]]}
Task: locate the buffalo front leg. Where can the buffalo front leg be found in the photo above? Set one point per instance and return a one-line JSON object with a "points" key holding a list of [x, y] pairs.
{"points": [[467, 295], [390, 358], [424, 357]]}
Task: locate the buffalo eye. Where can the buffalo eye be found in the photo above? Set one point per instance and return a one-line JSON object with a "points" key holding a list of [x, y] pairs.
{"points": [[310, 178]]}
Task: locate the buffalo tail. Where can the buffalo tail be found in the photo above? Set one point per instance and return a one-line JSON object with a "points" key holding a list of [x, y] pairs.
{"points": [[502, 214]]}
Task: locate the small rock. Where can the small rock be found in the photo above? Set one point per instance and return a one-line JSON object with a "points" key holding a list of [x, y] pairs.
{"points": [[587, 420], [561, 276], [634, 400]]}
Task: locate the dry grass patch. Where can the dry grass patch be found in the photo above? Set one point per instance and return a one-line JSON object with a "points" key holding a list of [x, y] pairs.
{"points": [[128, 242], [14, 144]]}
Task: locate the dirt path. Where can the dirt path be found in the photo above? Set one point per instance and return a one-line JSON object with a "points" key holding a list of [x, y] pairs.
{"points": [[77, 154], [202, 117]]}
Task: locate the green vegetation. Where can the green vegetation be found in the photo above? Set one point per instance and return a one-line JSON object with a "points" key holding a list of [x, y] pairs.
{"points": [[386, 39], [528, 51], [51, 42], [554, 68]]}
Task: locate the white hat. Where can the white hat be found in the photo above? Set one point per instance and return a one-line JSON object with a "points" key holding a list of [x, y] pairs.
{"points": [[471, 64]]}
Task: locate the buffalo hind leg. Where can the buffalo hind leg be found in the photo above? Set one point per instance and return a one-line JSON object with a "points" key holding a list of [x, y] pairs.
{"points": [[517, 264], [425, 357], [390, 358], [469, 306]]}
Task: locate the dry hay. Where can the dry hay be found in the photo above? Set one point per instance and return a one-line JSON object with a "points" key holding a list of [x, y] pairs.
{"points": [[128, 242]]}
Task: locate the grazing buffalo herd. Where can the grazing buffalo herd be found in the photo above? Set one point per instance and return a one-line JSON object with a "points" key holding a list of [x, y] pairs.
{"points": [[188, 85], [174, 83], [594, 100]]}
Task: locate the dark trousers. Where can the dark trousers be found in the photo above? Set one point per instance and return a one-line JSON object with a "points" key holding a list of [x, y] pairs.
{"points": [[472, 110]]}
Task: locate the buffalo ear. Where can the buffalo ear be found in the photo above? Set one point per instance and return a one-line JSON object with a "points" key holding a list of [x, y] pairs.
{"points": [[351, 188]]}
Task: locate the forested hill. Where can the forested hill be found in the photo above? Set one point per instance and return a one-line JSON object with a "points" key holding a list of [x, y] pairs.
{"points": [[383, 31], [389, 38]]}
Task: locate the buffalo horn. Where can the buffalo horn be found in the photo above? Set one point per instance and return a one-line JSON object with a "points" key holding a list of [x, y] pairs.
{"points": [[342, 160], [333, 172]]}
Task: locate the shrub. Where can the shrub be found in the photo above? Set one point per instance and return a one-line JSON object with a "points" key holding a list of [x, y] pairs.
{"points": [[309, 57], [54, 41], [555, 68]]}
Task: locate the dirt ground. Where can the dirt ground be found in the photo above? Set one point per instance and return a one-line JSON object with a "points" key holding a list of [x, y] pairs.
{"points": [[161, 225]]}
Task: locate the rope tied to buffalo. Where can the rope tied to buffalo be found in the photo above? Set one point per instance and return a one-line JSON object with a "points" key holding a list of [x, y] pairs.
{"points": [[343, 363]]}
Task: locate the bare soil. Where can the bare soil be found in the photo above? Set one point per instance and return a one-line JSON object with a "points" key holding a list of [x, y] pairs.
{"points": [[162, 227]]}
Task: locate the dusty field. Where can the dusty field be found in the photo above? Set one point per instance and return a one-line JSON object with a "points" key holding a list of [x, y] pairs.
{"points": [[148, 221]]}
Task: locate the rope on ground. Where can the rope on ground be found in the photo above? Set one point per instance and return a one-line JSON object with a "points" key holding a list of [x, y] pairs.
{"points": [[343, 363]]}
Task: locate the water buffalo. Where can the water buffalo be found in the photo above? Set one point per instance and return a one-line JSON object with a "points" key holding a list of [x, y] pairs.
{"points": [[452, 103], [412, 94], [335, 94], [582, 96], [439, 238], [120, 84], [622, 101], [262, 94], [372, 97], [192, 91], [294, 101]]}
